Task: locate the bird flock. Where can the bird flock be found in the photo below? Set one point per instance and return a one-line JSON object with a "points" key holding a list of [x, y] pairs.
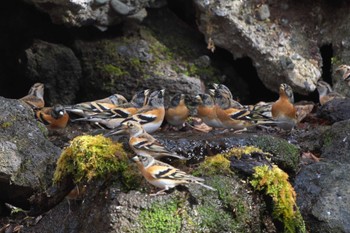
{"points": [[145, 113]]}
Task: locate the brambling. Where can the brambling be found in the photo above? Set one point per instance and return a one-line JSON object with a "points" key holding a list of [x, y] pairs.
{"points": [[150, 116], [344, 70], [91, 108], [237, 117], [206, 110], [226, 95], [112, 118], [54, 117], [283, 110], [75, 194], [326, 93], [177, 113], [144, 144], [163, 175], [35, 97]]}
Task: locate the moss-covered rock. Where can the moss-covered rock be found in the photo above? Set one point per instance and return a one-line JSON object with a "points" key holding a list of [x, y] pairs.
{"points": [[274, 182], [285, 154], [88, 157]]}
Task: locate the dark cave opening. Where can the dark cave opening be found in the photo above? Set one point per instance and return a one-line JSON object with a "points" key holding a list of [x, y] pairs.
{"points": [[242, 78], [327, 54]]}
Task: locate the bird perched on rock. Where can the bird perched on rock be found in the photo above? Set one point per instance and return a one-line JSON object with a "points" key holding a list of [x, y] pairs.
{"points": [[226, 95], [92, 108], [145, 144], [150, 116], [35, 97], [326, 93], [283, 110], [54, 117], [112, 117], [163, 175], [344, 70], [177, 113], [206, 110]]}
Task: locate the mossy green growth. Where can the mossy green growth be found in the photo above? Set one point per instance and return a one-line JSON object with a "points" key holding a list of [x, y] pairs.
{"points": [[214, 165], [275, 184], [113, 70], [90, 157], [220, 163], [245, 150], [7, 124], [161, 218], [216, 220], [286, 154]]}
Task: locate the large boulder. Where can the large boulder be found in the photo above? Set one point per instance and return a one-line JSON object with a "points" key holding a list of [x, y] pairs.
{"points": [[323, 187], [27, 158], [57, 67], [99, 13]]}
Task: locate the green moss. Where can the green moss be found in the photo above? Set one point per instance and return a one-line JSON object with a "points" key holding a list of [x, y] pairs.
{"points": [[286, 154], [220, 163], [336, 61], [275, 184], [245, 150], [5, 125], [161, 218], [214, 165], [90, 157], [216, 220], [114, 70]]}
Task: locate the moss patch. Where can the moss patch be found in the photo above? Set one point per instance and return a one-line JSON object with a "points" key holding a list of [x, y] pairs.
{"points": [[214, 165], [90, 157], [286, 155], [275, 184], [161, 218]]}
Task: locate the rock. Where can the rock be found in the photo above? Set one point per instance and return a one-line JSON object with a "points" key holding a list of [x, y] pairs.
{"points": [[228, 26], [101, 2], [323, 191], [149, 58], [192, 209], [263, 12], [336, 144], [57, 67], [323, 187], [121, 8], [98, 13], [27, 158], [335, 110]]}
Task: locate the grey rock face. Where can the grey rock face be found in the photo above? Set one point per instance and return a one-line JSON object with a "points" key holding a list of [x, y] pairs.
{"points": [[231, 25], [335, 110], [323, 187], [57, 67], [26, 156], [99, 13]]}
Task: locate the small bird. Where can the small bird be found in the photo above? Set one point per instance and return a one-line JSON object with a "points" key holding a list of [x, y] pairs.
{"points": [[112, 118], [344, 70], [283, 110], [163, 175], [145, 144], [54, 117], [206, 110], [326, 93], [35, 97], [91, 108], [177, 113], [226, 94], [150, 116]]}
